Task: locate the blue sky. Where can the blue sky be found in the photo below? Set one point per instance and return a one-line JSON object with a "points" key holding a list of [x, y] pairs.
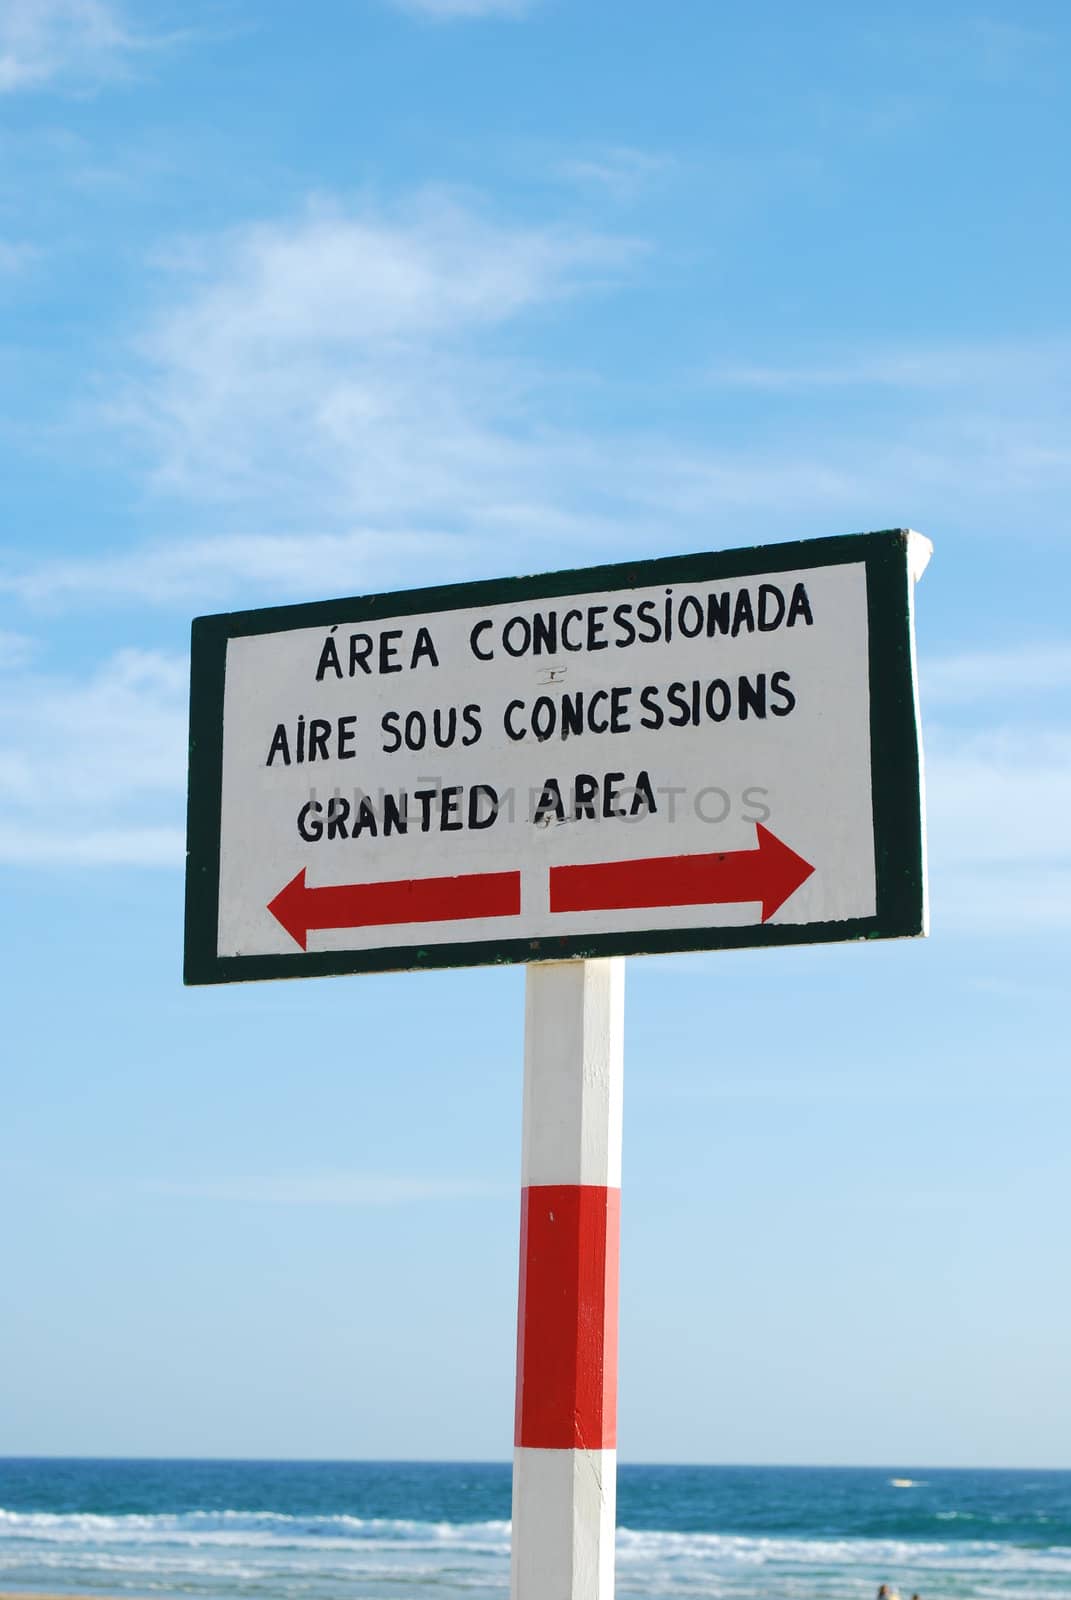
{"points": [[305, 301]]}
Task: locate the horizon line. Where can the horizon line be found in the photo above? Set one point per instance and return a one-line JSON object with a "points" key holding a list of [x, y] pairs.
{"points": [[506, 1462]]}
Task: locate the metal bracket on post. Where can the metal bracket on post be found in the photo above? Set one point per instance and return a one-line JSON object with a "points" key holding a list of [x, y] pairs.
{"points": [[565, 1457]]}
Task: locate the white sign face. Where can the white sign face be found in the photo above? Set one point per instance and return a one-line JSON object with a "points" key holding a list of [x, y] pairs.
{"points": [[666, 762]]}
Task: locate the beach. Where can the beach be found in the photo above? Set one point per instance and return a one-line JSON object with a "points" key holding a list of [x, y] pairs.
{"points": [[118, 1530]]}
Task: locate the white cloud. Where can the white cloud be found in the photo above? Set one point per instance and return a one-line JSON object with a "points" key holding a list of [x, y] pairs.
{"points": [[1000, 847], [16, 649], [205, 573], [63, 842], [333, 275], [42, 40], [1000, 795], [988, 675], [621, 170], [993, 365], [459, 10], [342, 390], [335, 362], [93, 768], [1002, 901], [337, 371]]}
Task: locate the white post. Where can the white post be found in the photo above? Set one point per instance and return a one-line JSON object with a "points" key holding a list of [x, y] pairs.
{"points": [[565, 1457]]}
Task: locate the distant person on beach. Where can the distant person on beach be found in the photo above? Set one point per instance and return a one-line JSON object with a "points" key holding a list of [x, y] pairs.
{"points": [[885, 1593]]}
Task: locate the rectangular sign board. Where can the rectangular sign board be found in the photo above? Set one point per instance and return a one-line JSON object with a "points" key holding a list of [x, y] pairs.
{"points": [[698, 752]]}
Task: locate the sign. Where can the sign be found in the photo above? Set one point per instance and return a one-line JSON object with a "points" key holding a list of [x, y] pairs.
{"points": [[700, 752]]}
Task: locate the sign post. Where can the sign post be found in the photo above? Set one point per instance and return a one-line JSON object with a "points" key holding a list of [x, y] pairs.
{"points": [[704, 752], [565, 1439]]}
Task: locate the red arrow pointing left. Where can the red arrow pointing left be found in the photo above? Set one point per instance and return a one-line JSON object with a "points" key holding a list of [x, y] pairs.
{"points": [[369, 905]]}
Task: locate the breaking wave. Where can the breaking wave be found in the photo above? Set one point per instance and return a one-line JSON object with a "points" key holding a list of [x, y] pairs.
{"points": [[200, 1551]]}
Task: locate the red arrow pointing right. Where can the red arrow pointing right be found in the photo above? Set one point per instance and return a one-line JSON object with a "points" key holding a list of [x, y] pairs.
{"points": [[767, 874]]}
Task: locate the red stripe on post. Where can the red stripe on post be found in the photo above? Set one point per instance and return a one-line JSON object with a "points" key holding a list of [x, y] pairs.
{"points": [[567, 1318]]}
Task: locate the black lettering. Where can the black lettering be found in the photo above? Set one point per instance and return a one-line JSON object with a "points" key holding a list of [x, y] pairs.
{"points": [[751, 696], [743, 616], [642, 796], [544, 717], [328, 658], [395, 815], [319, 733], [799, 606], [471, 715], [279, 746], [444, 739], [507, 720], [596, 627], [619, 699], [550, 803], [675, 694], [622, 617], [425, 797], [337, 812], [477, 791], [690, 607], [649, 701], [572, 713], [388, 650], [474, 636], [424, 646], [779, 686], [361, 646], [346, 736], [416, 731], [585, 791], [718, 687], [717, 613], [525, 629], [450, 812], [545, 633], [770, 593], [571, 616], [300, 739], [597, 727], [391, 725], [611, 794], [646, 613], [365, 819], [308, 822]]}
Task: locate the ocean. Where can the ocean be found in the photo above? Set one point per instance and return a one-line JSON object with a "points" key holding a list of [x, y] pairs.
{"points": [[393, 1530]]}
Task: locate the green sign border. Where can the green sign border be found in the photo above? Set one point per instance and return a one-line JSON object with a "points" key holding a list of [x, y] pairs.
{"points": [[894, 760]]}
